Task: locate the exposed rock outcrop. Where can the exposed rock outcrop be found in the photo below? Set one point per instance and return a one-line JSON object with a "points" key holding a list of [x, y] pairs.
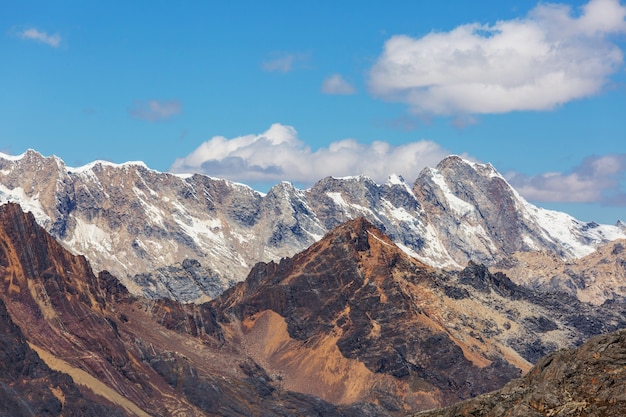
{"points": [[352, 326], [28, 387]]}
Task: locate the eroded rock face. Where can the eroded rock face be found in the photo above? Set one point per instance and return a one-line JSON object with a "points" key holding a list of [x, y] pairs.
{"points": [[587, 381], [186, 282], [351, 326]]}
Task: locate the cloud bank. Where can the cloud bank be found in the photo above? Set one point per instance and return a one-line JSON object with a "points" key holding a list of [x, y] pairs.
{"points": [[336, 84], [41, 36], [548, 58], [278, 154], [155, 110], [598, 179]]}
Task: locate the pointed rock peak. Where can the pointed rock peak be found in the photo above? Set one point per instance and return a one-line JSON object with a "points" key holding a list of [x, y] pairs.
{"points": [[360, 233], [31, 156], [283, 187], [460, 165], [395, 179], [12, 216], [358, 226]]}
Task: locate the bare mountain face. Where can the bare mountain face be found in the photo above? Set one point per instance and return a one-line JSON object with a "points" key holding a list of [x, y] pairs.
{"points": [[595, 278], [138, 223], [28, 387], [351, 326]]}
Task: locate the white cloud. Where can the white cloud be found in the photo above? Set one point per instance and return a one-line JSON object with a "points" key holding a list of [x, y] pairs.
{"points": [[335, 84], [598, 179], [40, 36], [278, 154], [284, 62], [154, 110], [538, 62]]}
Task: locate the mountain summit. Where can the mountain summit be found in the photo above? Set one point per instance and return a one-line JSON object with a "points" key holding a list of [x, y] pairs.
{"points": [[353, 318], [136, 222]]}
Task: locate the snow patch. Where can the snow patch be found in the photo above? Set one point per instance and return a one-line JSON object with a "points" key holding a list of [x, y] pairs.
{"points": [[459, 206], [8, 157], [28, 203], [89, 237], [90, 166], [378, 239]]}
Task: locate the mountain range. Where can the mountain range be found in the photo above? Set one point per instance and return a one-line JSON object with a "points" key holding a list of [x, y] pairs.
{"points": [[189, 238], [349, 298], [351, 326]]}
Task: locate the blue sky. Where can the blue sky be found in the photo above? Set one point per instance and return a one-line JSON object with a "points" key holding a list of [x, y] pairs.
{"points": [[260, 92]]}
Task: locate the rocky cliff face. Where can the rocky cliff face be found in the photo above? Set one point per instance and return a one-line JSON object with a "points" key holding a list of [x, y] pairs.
{"points": [[131, 220], [587, 381]]}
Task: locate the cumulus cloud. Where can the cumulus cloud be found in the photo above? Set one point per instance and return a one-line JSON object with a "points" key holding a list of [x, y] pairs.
{"points": [[284, 62], [598, 179], [335, 84], [278, 154], [41, 36], [548, 58], [154, 110]]}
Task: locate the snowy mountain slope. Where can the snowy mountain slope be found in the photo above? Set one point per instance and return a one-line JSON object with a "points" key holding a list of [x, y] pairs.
{"points": [[479, 216], [131, 220]]}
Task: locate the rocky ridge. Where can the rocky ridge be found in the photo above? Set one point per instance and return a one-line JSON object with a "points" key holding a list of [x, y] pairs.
{"points": [[131, 220]]}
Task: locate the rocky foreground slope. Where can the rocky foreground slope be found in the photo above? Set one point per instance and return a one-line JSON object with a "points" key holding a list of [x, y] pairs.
{"points": [[131, 220], [351, 326], [588, 381], [28, 387]]}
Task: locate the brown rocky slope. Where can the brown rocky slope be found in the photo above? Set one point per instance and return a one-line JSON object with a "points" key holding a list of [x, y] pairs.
{"points": [[595, 278], [588, 381], [28, 387]]}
